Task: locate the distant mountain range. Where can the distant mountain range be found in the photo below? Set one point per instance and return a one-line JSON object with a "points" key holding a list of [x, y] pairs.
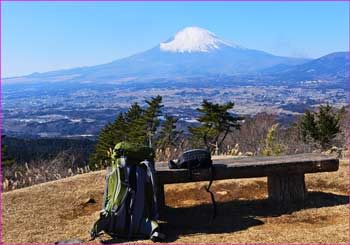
{"points": [[333, 66], [191, 52], [193, 65]]}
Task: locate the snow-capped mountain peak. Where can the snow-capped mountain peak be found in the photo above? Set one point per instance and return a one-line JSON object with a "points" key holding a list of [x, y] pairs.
{"points": [[194, 39]]}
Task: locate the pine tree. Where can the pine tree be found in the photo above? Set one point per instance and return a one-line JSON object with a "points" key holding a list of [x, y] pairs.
{"points": [[308, 127], [110, 135], [133, 113], [150, 117], [328, 125], [135, 128], [344, 126], [137, 125], [5, 159], [168, 135], [216, 123], [321, 127]]}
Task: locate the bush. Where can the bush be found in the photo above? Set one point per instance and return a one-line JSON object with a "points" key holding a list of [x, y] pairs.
{"points": [[272, 148]]}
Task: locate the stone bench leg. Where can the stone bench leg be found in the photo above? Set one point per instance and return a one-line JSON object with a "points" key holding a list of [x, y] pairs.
{"points": [[286, 188]]}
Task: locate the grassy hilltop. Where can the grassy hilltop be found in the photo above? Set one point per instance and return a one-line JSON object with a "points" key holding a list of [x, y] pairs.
{"points": [[58, 210]]}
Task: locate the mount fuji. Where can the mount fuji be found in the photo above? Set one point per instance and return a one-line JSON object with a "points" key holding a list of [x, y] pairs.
{"points": [[191, 52]]}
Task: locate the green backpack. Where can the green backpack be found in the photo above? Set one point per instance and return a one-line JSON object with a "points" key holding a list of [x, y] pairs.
{"points": [[135, 153], [129, 208]]}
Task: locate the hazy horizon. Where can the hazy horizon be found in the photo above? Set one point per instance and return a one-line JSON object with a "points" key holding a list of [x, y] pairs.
{"points": [[41, 37]]}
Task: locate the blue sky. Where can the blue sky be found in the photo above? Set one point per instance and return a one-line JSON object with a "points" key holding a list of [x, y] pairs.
{"points": [[44, 36]]}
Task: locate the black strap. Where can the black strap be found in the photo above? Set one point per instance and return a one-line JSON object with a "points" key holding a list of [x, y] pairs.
{"points": [[150, 172], [189, 166], [130, 208], [207, 188]]}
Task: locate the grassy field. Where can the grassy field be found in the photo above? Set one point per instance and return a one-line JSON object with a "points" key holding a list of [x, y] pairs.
{"points": [[57, 210]]}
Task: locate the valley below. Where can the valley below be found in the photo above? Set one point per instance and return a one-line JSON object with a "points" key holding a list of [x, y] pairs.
{"points": [[81, 110]]}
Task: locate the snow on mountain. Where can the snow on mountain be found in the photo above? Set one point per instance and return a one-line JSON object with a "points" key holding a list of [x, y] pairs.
{"points": [[192, 52], [194, 39]]}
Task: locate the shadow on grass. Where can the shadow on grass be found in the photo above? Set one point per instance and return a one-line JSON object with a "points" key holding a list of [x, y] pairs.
{"points": [[232, 216], [236, 215]]}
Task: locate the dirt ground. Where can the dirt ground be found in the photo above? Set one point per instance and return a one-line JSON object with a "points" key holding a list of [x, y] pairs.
{"points": [[57, 210]]}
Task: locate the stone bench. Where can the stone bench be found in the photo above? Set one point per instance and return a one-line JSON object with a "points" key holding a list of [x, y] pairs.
{"points": [[285, 174]]}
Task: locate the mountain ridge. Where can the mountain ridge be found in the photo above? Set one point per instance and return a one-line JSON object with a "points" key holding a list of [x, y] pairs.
{"points": [[191, 51], [331, 66]]}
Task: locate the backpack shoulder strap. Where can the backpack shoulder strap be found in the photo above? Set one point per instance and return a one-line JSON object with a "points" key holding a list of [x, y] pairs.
{"points": [[150, 172]]}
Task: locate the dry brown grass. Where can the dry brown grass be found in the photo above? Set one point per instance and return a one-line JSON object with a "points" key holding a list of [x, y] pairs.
{"points": [[19, 176], [53, 211]]}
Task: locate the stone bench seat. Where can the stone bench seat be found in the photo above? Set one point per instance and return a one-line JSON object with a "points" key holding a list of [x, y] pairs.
{"points": [[285, 174]]}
